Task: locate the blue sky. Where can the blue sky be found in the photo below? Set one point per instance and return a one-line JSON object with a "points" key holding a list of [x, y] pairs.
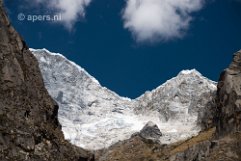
{"points": [[129, 50]]}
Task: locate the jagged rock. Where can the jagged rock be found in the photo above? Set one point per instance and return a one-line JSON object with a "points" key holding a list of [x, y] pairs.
{"points": [[150, 131], [29, 127], [228, 117]]}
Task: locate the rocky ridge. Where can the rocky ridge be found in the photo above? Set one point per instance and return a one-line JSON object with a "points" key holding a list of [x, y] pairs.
{"points": [[29, 127]]}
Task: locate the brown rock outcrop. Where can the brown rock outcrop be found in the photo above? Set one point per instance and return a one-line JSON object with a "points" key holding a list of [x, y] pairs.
{"points": [[29, 128], [229, 98]]}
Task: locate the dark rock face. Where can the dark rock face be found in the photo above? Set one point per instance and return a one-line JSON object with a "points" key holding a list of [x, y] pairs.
{"points": [[150, 131], [29, 128], [228, 116]]}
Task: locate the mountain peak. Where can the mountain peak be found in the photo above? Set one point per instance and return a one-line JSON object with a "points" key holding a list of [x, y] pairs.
{"points": [[190, 72], [46, 54]]}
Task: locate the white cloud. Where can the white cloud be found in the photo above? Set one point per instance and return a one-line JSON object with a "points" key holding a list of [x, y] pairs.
{"points": [[154, 20], [70, 10]]}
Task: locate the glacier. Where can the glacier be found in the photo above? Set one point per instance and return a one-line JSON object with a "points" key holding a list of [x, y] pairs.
{"points": [[94, 117]]}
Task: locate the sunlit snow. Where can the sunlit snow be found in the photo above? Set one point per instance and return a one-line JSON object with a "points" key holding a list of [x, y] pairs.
{"points": [[94, 117]]}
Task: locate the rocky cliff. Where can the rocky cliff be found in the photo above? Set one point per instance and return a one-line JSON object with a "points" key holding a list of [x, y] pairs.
{"points": [[29, 128], [229, 98]]}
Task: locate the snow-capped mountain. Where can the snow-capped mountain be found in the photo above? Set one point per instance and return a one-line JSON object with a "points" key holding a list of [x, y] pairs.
{"points": [[178, 103], [94, 117]]}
